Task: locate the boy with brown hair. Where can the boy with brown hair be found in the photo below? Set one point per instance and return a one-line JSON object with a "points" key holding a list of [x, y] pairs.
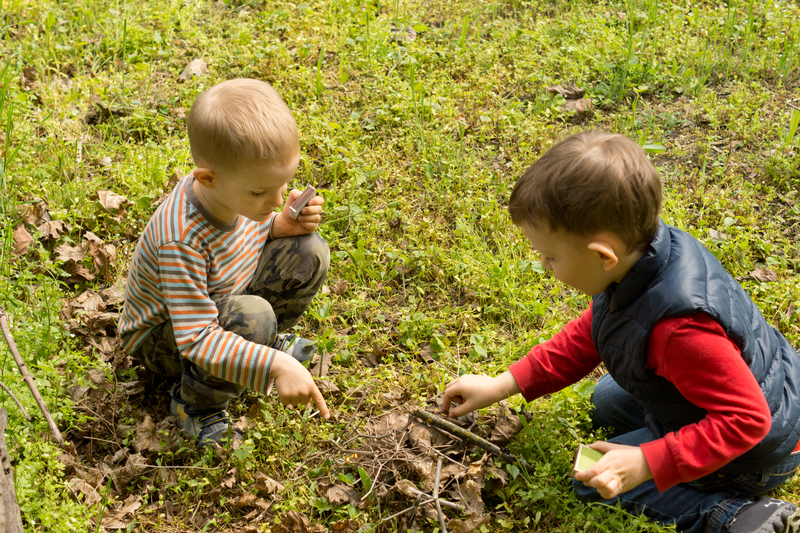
{"points": [[217, 273], [701, 391]]}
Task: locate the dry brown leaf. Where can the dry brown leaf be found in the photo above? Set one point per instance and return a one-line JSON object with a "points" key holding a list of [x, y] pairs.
{"points": [[570, 92], [402, 35], [134, 467], [111, 521], [340, 287], [65, 252], [583, 109], [197, 67], [326, 386], [764, 275], [22, 240], [391, 422], [27, 77], [146, 436], [295, 522], [131, 504], [341, 494], [266, 484], [110, 200], [89, 301], [37, 213], [322, 364], [505, 429], [426, 353], [114, 294], [90, 494], [345, 526], [98, 323], [51, 230], [471, 492]]}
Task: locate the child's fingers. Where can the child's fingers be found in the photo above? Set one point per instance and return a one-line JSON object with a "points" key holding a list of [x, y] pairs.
{"points": [[319, 401]]}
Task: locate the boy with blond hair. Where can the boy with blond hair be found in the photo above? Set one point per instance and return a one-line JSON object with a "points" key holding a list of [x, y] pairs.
{"points": [[217, 273], [701, 391]]}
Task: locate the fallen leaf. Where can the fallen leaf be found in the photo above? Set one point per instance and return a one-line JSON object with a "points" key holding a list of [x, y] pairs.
{"points": [[583, 109], [341, 494], [146, 437], [110, 200], [114, 294], [197, 67], [134, 467], [90, 494], [104, 162], [78, 272], [51, 230], [505, 430], [345, 526], [764, 275], [89, 301], [65, 252], [340, 287], [570, 92], [22, 239], [266, 484], [27, 77], [716, 235], [402, 35], [37, 213], [390, 423], [130, 505]]}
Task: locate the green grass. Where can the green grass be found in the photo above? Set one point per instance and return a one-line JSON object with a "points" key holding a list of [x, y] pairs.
{"points": [[415, 146]]}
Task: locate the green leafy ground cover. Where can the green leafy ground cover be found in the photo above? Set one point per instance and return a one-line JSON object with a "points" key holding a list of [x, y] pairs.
{"points": [[416, 119]]}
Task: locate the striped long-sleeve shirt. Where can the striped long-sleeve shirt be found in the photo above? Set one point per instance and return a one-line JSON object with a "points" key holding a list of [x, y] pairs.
{"points": [[184, 256]]}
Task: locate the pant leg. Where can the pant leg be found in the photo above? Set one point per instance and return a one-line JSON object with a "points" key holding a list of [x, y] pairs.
{"points": [[290, 272], [615, 407], [250, 316], [706, 505]]}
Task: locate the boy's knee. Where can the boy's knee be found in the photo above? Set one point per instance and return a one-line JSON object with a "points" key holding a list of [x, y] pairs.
{"points": [[319, 250], [249, 316]]}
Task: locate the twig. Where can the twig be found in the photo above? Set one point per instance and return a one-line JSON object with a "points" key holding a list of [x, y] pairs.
{"points": [[24, 412], [793, 106], [27, 377], [436, 495], [452, 505], [466, 435], [404, 511]]}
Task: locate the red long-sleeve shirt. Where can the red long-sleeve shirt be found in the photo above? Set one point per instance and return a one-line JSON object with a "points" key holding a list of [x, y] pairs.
{"points": [[696, 356]]}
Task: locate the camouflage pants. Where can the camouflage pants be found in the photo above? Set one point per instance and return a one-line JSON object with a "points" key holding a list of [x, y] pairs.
{"points": [[290, 272]]}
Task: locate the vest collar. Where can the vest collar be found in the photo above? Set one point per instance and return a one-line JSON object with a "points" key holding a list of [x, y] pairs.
{"points": [[634, 284]]}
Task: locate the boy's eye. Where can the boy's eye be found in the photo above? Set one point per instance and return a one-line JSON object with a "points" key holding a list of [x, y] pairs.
{"points": [[257, 194]]}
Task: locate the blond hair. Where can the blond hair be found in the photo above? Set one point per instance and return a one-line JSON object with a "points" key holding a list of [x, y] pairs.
{"points": [[241, 122], [588, 183]]}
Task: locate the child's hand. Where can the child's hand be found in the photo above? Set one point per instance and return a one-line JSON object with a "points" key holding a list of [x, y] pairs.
{"points": [[473, 392], [307, 222], [621, 469], [295, 385]]}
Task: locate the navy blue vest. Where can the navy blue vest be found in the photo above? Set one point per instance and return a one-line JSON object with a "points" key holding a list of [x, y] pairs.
{"points": [[677, 276]]}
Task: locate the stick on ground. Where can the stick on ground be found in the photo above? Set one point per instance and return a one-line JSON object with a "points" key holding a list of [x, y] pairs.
{"points": [[27, 377], [463, 434]]}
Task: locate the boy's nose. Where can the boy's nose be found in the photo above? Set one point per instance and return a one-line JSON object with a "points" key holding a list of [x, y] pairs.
{"points": [[546, 263]]}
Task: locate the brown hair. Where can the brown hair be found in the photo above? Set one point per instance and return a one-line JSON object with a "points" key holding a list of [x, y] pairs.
{"points": [[241, 122], [591, 182]]}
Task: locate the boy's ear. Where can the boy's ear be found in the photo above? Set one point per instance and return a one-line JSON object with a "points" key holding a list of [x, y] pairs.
{"points": [[205, 176], [605, 252]]}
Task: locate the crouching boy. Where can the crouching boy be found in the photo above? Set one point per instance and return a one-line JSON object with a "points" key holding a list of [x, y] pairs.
{"points": [[217, 274], [701, 392]]}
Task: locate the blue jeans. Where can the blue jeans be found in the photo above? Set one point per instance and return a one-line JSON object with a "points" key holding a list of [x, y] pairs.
{"points": [[706, 505]]}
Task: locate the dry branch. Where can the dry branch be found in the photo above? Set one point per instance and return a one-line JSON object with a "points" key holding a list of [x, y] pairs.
{"points": [[463, 434], [10, 518], [27, 377], [21, 408]]}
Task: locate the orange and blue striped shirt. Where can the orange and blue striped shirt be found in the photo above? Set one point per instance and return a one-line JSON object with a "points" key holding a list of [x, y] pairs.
{"points": [[184, 256]]}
